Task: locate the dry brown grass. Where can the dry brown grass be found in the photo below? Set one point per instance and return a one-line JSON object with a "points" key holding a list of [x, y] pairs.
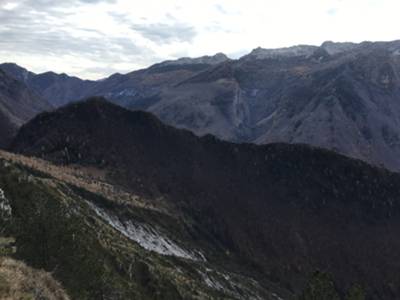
{"points": [[20, 282], [88, 178]]}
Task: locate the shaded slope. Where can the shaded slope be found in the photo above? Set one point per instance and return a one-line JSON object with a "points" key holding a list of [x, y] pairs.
{"points": [[125, 89], [285, 210], [57, 89], [8, 129], [103, 243], [140, 89], [17, 72], [18, 104], [337, 96]]}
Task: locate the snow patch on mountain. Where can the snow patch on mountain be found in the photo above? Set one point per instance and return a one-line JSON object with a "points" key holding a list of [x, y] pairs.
{"points": [[146, 236], [212, 283], [232, 285], [123, 93]]}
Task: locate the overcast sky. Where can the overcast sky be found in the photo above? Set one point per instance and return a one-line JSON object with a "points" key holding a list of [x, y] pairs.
{"points": [[95, 38]]}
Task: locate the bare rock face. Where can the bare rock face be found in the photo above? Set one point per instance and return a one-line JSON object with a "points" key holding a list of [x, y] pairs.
{"points": [[204, 60], [295, 51], [343, 97], [340, 96]]}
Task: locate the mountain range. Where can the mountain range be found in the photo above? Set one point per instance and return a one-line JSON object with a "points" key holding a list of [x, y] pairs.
{"points": [[272, 176], [339, 96], [277, 212]]}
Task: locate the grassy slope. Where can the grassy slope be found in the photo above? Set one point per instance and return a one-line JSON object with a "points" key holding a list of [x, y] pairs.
{"points": [[57, 231], [18, 281]]}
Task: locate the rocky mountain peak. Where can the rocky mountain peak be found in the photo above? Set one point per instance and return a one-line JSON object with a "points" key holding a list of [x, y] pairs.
{"points": [[295, 51], [17, 72], [206, 60], [336, 48]]}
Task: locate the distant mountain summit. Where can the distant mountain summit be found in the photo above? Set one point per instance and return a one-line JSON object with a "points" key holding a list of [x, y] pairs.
{"points": [[301, 50], [17, 72], [204, 60], [339, 96], [18, 104], [330, 47], [336, 48], [57, 89]]}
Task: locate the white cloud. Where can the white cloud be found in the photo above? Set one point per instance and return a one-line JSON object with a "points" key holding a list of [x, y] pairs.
{"points": [[94, 38]]}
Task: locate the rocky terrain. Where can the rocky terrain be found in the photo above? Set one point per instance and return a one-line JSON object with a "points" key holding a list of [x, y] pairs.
{"points": [[273, 215], [340, 96]]}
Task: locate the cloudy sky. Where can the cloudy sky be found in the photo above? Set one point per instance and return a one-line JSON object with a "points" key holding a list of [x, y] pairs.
{"points": [[95, 38]]}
